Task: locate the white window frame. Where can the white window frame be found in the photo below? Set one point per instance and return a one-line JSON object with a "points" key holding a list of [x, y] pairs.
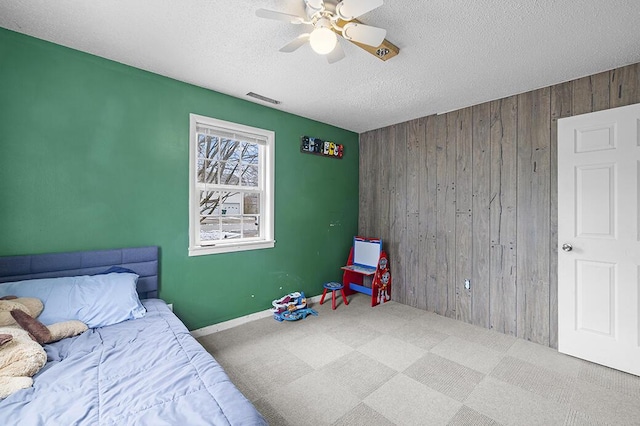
{"points": [[266, 179]]}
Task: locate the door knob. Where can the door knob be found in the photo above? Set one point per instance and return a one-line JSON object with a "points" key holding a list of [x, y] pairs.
{"points": [[567, 247]]}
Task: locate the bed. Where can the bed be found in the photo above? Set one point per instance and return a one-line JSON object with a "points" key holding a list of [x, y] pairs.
{"points": [[148, 370]]}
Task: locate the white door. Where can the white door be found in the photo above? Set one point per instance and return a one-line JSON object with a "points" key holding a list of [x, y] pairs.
{"points": [[598, 234]]}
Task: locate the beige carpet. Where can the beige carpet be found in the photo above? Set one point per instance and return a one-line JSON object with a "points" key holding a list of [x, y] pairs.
{"points": [[394, 364]]}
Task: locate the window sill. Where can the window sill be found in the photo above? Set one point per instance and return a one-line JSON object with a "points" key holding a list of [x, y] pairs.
{"points": [[230, 248]]}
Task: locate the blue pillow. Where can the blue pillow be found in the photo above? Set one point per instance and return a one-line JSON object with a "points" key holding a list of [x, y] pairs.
{"points": [[118, 269], [97, 300]]}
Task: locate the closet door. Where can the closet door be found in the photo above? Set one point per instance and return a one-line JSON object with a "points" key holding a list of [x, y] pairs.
{"points": [[598, 234]]}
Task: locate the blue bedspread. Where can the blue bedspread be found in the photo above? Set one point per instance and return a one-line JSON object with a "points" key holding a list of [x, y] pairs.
{"points": [[148, 371]]}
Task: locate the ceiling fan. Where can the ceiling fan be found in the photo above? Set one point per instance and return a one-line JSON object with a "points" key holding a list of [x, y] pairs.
{"points": [[331, 17]]}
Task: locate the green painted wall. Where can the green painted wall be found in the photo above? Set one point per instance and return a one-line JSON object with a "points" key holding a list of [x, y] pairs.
{"points": [[94, 155]]}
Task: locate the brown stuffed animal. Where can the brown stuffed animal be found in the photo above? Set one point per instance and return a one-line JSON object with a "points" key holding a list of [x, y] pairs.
{"points": [[20, 358], [29, 305], [23, 311], [21, 353], [48, 334]]}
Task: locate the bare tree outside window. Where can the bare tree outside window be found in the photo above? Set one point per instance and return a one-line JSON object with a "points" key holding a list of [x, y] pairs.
{"points": [[228, 163]]}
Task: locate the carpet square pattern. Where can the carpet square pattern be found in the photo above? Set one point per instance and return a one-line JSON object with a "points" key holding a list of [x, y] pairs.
{"points": [[397, 365]]}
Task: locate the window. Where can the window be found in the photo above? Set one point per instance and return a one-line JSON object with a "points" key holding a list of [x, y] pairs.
{"points": [[231, 169]]}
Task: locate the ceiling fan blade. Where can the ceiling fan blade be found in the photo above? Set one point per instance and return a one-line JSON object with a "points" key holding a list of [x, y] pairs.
{"points": [[350, 9], [315, 5], [365, 34], [336, 54], [295, 43], [279, 16]]}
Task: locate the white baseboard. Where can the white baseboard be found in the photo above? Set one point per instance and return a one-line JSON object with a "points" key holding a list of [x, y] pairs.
{"points": [[241, 320]]}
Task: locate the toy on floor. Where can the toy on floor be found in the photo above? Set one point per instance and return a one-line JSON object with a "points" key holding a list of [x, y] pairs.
{"points": [[295, 315], [295, 299], [291, 307]]}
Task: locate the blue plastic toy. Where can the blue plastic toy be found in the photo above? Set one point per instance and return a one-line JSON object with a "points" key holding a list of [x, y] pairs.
{"points": [[294, 315]]}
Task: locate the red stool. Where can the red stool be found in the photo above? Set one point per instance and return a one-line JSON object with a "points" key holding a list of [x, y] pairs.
{"points": [[333, 286]]}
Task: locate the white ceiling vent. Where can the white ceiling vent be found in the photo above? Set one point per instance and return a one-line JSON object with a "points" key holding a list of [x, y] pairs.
{"points": [[263, 98]]}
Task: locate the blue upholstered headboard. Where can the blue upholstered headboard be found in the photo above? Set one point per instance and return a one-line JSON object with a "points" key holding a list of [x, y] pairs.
{"points": [[142, 260]]}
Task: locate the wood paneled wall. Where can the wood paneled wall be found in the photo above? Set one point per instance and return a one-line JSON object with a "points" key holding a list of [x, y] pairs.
{"points": [[472, 194]]}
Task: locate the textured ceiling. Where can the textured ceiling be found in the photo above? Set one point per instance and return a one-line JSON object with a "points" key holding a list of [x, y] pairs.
{"points": [[452, 53]]}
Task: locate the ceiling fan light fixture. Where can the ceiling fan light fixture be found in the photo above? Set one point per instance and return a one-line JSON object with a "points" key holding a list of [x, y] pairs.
{"points": [[323, 40], [333, 18]]}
